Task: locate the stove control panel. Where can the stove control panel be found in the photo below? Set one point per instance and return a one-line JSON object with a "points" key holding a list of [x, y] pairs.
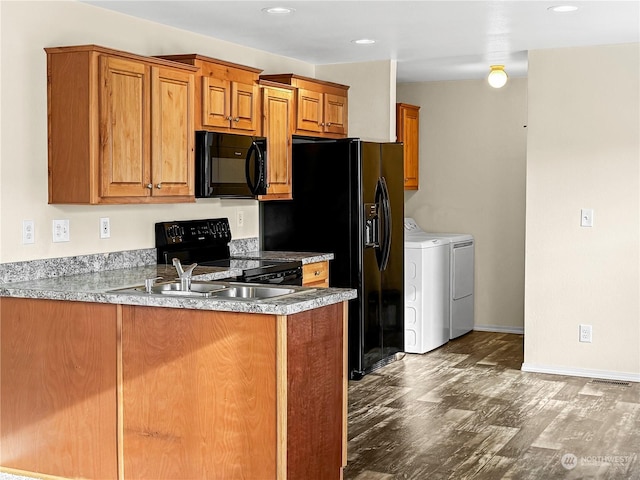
{"points": [[206, 232]]}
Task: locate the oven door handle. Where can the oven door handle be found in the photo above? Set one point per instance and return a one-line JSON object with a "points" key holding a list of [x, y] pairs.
{"points": [[292, 278]]}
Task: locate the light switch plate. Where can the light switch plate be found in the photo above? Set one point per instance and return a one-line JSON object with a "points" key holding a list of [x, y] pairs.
{"points": [[586, 217]]}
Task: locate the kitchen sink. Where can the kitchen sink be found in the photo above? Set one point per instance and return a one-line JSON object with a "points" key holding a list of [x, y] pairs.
{"points": [[197, 289], [222, 291], [252, 292], [170, 288]]}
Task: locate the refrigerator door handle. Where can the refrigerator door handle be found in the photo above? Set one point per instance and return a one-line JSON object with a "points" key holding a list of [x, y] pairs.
{"points": [[386, 227], [383, 248]]}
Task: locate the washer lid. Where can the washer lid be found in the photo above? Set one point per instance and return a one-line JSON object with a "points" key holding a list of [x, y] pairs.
{"points": [[450, 237], [420, 240]]}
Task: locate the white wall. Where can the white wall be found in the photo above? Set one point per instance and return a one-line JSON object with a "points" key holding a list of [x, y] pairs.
{"points": [[583, 152], [371, 97], [472, 180], [26, 29]]}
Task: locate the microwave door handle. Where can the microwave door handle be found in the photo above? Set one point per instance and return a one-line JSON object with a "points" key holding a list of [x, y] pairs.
{"points": [[247, 170], [258, 171]]}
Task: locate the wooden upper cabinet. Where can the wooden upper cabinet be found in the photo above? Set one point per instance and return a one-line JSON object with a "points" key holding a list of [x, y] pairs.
{"points": [[321, 107], [120, 127], [227, 94], [172, 133], [408, 132], [277, 126]]}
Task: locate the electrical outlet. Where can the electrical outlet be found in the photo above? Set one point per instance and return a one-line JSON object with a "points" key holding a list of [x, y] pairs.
{"points": [[61, 230], [240, 218], [105, 227], [28, 232], [585, 333]]}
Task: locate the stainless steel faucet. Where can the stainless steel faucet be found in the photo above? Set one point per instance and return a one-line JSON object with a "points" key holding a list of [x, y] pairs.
{"points": [[184, 273]]}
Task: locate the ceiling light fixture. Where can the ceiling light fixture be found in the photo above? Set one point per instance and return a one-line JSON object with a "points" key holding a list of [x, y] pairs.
{"points": [[278, 10], [563, 8], [497, 76], [364, 41]]}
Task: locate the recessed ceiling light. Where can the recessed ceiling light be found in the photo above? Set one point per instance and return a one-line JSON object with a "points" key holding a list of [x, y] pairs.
{"points": [[563, 8], [278, 10], [364, 41]]}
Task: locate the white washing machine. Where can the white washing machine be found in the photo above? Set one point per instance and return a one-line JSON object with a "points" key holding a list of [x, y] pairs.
{"points": [[426, 287], [461, 280]]}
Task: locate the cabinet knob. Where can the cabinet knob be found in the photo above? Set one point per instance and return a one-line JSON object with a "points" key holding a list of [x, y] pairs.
{"points": [[328, 124], [149, 186], [158, 186], [228, 118], [237, 119], [316, 273]]}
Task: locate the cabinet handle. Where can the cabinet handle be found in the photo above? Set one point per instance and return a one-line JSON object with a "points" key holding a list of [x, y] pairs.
{"points": [[316, 273], [159, 186], [149, 186]]}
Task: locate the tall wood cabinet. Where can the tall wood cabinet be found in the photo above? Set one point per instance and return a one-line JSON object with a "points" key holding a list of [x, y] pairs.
{"points": [[120, 127], [321, 107], [278, 121], [408, 132]]}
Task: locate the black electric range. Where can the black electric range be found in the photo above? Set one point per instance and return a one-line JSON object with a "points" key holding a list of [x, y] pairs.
{"points": [[206, 242]]}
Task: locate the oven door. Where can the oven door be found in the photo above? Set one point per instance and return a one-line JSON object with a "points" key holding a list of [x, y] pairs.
{"points": [[229, 165]]}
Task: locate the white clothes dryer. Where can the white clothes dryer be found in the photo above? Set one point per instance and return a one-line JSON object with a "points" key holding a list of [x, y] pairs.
{"points": [[461, 280], [426, 286]]}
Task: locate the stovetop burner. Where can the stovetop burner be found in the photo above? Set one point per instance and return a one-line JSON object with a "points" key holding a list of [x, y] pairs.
{"points": [[206, 242]]}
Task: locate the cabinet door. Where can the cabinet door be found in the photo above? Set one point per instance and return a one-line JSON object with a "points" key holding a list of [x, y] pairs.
{"points": [[199, 394], [244, 107], [335, 114], [408, 132], [216, 102], [124, 128], [310, 113], [172, 132], [58, 382], [277, 105]]}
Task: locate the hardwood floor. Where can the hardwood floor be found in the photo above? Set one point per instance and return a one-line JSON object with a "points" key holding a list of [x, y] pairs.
{"points": [[466, 411]]}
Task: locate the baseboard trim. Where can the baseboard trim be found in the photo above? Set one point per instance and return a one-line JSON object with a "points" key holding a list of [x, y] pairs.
{"points": [[581, 372], [499, 329]]}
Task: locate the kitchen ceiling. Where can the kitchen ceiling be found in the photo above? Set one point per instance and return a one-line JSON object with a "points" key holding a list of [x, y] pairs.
{"points": [[431, 40]]}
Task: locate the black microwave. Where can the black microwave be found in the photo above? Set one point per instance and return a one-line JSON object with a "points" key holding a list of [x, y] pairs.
{"points": [[230, 165]]}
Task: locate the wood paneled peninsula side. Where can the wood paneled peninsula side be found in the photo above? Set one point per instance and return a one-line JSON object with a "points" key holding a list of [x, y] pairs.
{"points": [[103, 385]]}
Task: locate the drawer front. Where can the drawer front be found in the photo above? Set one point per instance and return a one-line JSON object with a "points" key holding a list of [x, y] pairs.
{"points": [[316, 274]]}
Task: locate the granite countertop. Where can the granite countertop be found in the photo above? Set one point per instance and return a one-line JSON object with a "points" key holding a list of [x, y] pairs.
{"points": [[304, 257], [98, 287]]}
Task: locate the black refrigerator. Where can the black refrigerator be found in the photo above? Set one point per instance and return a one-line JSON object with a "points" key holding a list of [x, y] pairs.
{"points": [[348, 199]]}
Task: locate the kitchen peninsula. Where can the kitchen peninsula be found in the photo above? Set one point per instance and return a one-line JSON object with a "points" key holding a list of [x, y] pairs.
{"points": [[102, 384]]}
